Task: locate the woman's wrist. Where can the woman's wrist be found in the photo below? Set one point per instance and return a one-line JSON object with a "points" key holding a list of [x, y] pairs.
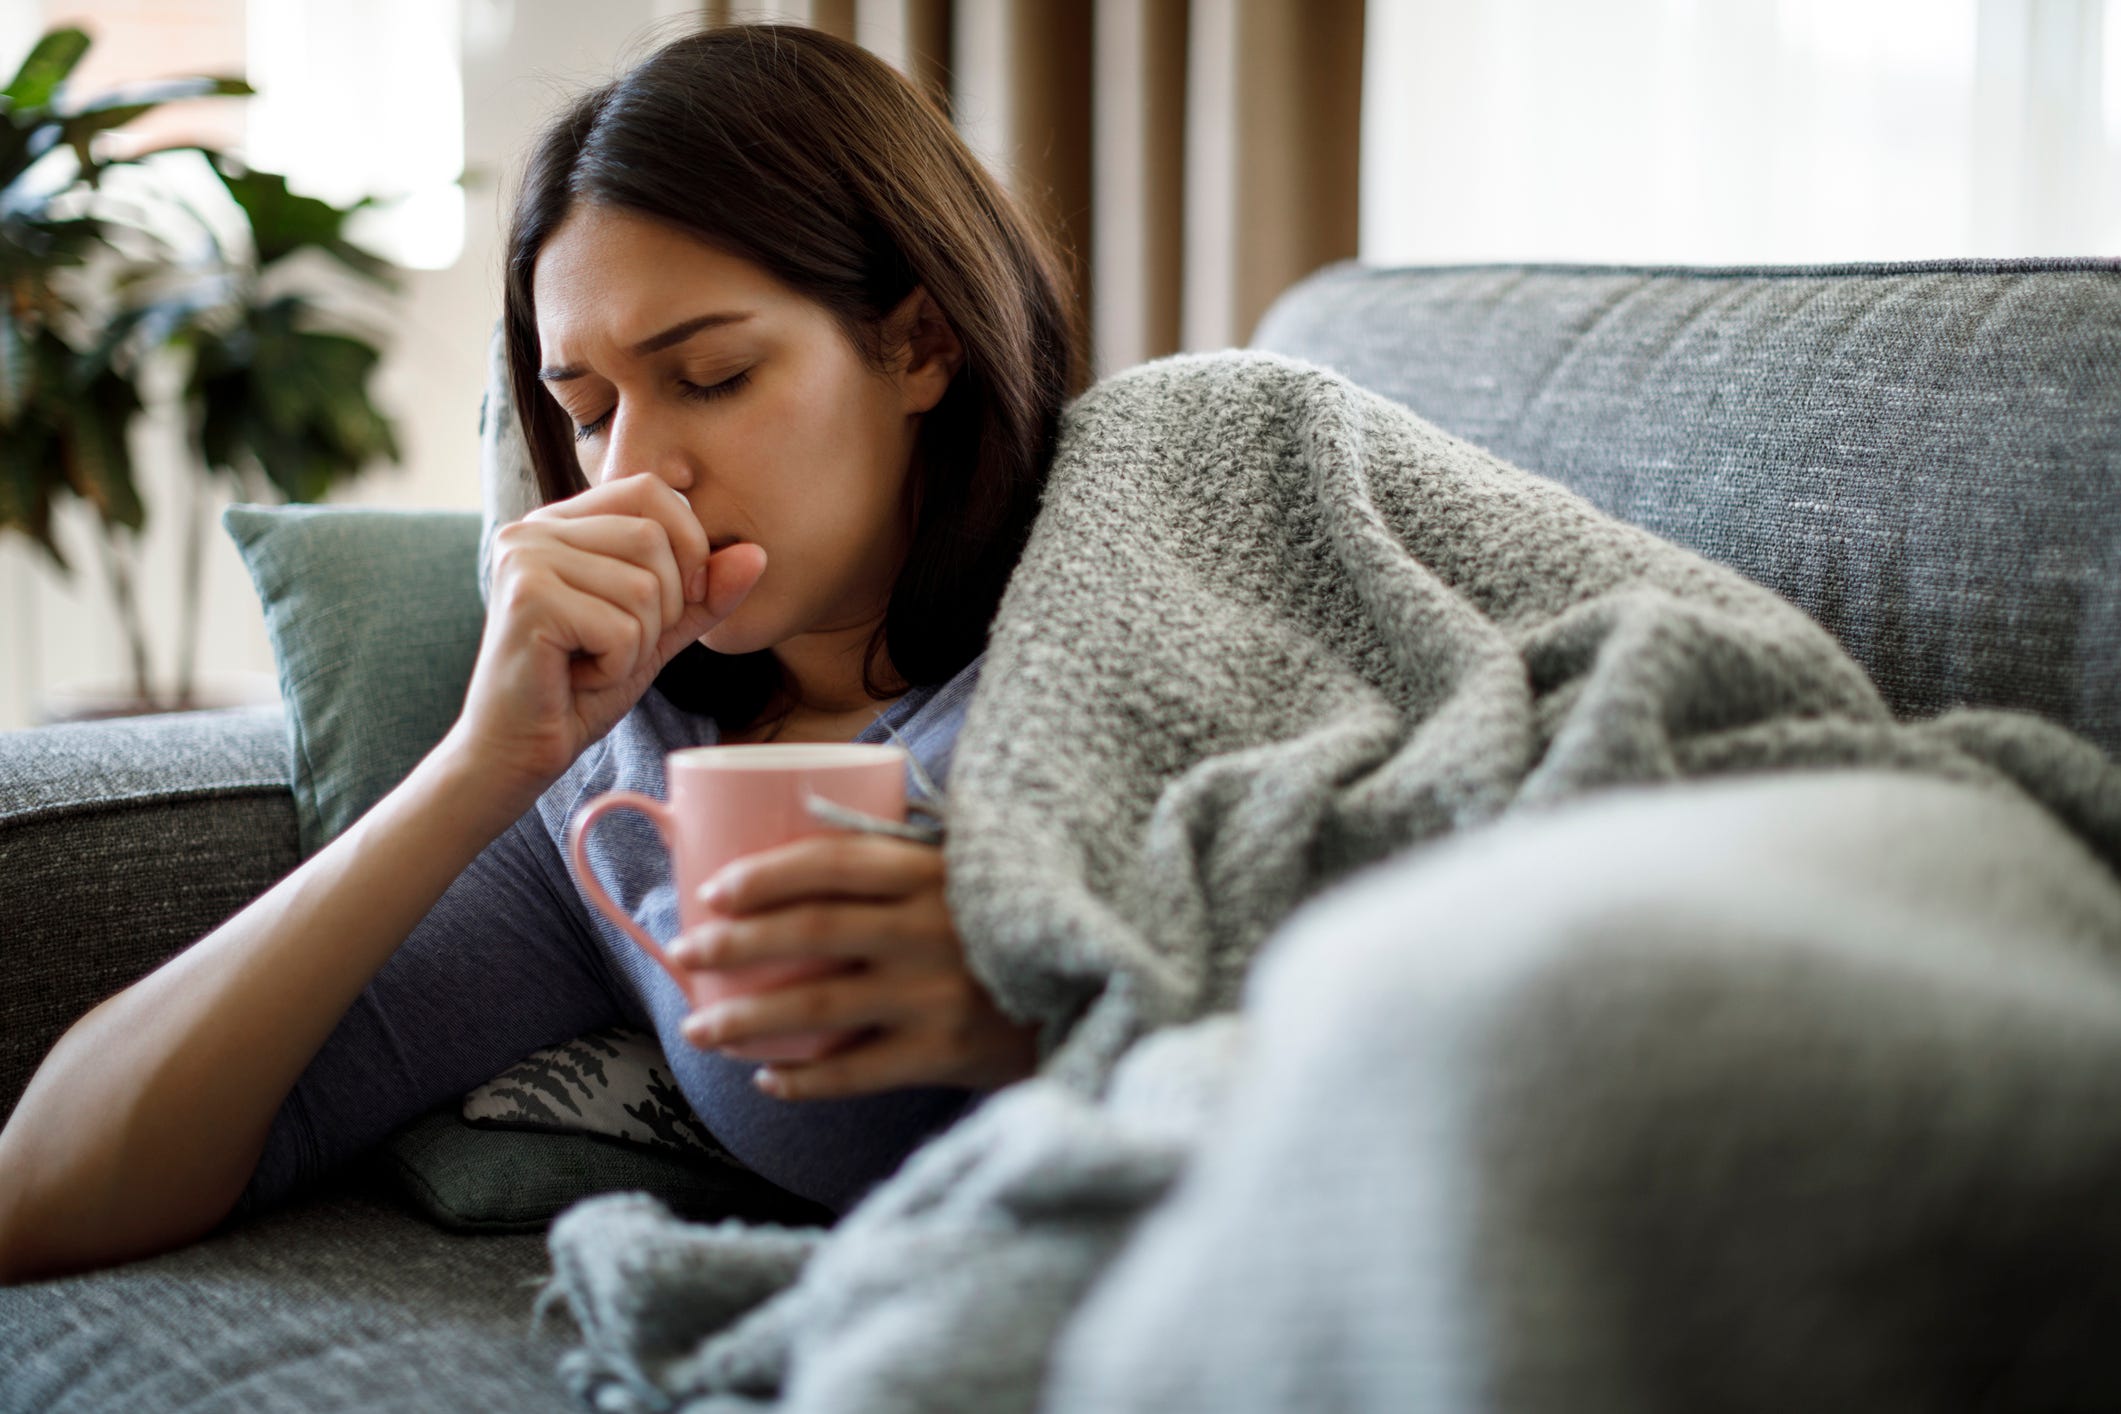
{"points": [[464, 776]]}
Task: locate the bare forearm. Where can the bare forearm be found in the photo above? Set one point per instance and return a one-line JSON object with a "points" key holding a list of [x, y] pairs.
{"points": [[145, 1122]]}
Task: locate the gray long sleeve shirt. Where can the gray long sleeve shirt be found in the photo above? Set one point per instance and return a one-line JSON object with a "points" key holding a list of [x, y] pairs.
{"points": [[512, 958]]}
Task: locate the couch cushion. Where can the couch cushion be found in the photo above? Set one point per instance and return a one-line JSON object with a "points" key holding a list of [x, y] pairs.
{"points": [[375, 618], [122, 842], [335, 1302], [1927, 457], [472, 1178]]}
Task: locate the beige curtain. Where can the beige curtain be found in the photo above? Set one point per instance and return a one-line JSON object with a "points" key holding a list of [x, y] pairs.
{"points": [[1195, 157]]}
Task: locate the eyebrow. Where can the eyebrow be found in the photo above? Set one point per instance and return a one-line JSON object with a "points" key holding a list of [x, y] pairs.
{"points": [[655, 343]]}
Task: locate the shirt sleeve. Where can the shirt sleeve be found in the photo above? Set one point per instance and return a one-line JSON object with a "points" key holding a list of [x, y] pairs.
{"points": [[501, 966]]}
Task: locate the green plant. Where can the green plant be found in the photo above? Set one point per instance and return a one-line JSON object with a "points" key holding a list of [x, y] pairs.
{"points": [[103, 288]]}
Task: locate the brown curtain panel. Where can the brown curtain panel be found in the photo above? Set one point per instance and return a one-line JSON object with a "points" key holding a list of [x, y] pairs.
{"points": [[1194, 157]]}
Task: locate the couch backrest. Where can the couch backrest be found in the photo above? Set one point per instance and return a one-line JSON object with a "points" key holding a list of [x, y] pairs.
{"points": [[1927, 457]]}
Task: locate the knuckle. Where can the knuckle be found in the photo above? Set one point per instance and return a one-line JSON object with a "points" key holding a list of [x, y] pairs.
{"points": [[518, 592], [944, 995], [933, 910], [511, 551], [644, 534], [961, 1032], [932, 1044], [644, 591], [811, 924], [625, 637]]}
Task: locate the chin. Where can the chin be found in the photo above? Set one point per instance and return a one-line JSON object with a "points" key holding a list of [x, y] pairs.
{"points": [[735, 635]]}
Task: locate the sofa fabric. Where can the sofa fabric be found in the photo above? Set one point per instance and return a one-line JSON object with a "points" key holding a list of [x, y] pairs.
{"points": [[337, 1302], [1926, 457], [121, 843]]}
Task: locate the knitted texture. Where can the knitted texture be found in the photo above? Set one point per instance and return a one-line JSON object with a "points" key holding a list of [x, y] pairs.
{"points": [[1269, 629], [1924, 456]]}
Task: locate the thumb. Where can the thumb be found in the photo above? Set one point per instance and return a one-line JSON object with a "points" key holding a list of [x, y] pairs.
{"points": [[732, 573], [731, 576]]}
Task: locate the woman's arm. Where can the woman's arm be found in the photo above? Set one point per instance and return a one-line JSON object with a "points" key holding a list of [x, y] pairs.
{"points": [[142, 1126], [493, 972], [144, 1123]]}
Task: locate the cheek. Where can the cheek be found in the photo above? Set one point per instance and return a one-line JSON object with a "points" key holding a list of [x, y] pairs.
{"points": [[827, 455]]}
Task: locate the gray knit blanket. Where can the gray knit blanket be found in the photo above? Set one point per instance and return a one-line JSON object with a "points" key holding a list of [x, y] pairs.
{"points": [[1272, 635]]}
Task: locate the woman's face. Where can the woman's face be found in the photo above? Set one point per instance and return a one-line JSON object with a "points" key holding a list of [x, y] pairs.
{"points": [[674, 358]]}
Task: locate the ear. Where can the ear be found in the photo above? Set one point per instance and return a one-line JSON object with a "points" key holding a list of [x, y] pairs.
{"points": [[926, 350]]}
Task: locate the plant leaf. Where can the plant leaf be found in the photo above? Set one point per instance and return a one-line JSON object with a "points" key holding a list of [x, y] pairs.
{"points": [[32, 245], [14, 149], [47, 66], [143, 96], [79, 133], [362, 262], [293, 403], [79, 127], [14, 365], [98, 455], [26, 486], [283, 222], [220, 436]]}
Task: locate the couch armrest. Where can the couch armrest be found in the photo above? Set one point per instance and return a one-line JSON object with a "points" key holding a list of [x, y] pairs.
{"points": [[122, 843]]}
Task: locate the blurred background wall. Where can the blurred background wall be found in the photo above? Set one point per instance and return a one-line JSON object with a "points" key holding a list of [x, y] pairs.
{"points": [[1195, 156]]}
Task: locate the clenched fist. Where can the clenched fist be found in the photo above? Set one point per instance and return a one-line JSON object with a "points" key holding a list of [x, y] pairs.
{"points": [[591, 596]]}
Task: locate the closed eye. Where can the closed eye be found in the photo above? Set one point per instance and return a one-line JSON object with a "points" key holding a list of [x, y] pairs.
{"points": [[694, 392], [711, 391]]}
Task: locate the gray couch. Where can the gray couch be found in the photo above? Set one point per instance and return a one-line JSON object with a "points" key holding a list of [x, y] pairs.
{"points": [[1927, 457]]}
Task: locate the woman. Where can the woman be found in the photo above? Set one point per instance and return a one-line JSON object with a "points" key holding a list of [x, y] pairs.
{"points": [[789, 365]]}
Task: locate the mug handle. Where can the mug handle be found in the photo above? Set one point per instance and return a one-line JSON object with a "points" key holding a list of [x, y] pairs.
{"points": [[578, 856]]}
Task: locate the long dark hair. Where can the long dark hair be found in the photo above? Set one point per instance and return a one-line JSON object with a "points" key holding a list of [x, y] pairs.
{"points": [[815, 160]]}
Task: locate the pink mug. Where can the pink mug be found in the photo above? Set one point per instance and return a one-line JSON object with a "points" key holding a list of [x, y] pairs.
{"points": [[727, 802]]}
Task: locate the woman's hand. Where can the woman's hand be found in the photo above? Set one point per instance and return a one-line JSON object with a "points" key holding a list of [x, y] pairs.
{"points": [[591, 596], [874, 904]]}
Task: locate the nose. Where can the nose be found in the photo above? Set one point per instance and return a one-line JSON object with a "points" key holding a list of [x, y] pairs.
{"points": [[637, 441]]}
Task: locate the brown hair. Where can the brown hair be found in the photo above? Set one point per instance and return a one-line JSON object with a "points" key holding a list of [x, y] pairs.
{"points": [[815, 160]]}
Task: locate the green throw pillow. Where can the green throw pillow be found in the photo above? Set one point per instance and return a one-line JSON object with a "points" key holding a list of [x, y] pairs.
{"points": [[471, 1179], [374, 617]]}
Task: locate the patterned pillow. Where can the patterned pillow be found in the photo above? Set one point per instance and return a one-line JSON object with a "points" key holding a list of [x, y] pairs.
{"points": [[508, 488], [597, 1115], [612, 1082]]}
